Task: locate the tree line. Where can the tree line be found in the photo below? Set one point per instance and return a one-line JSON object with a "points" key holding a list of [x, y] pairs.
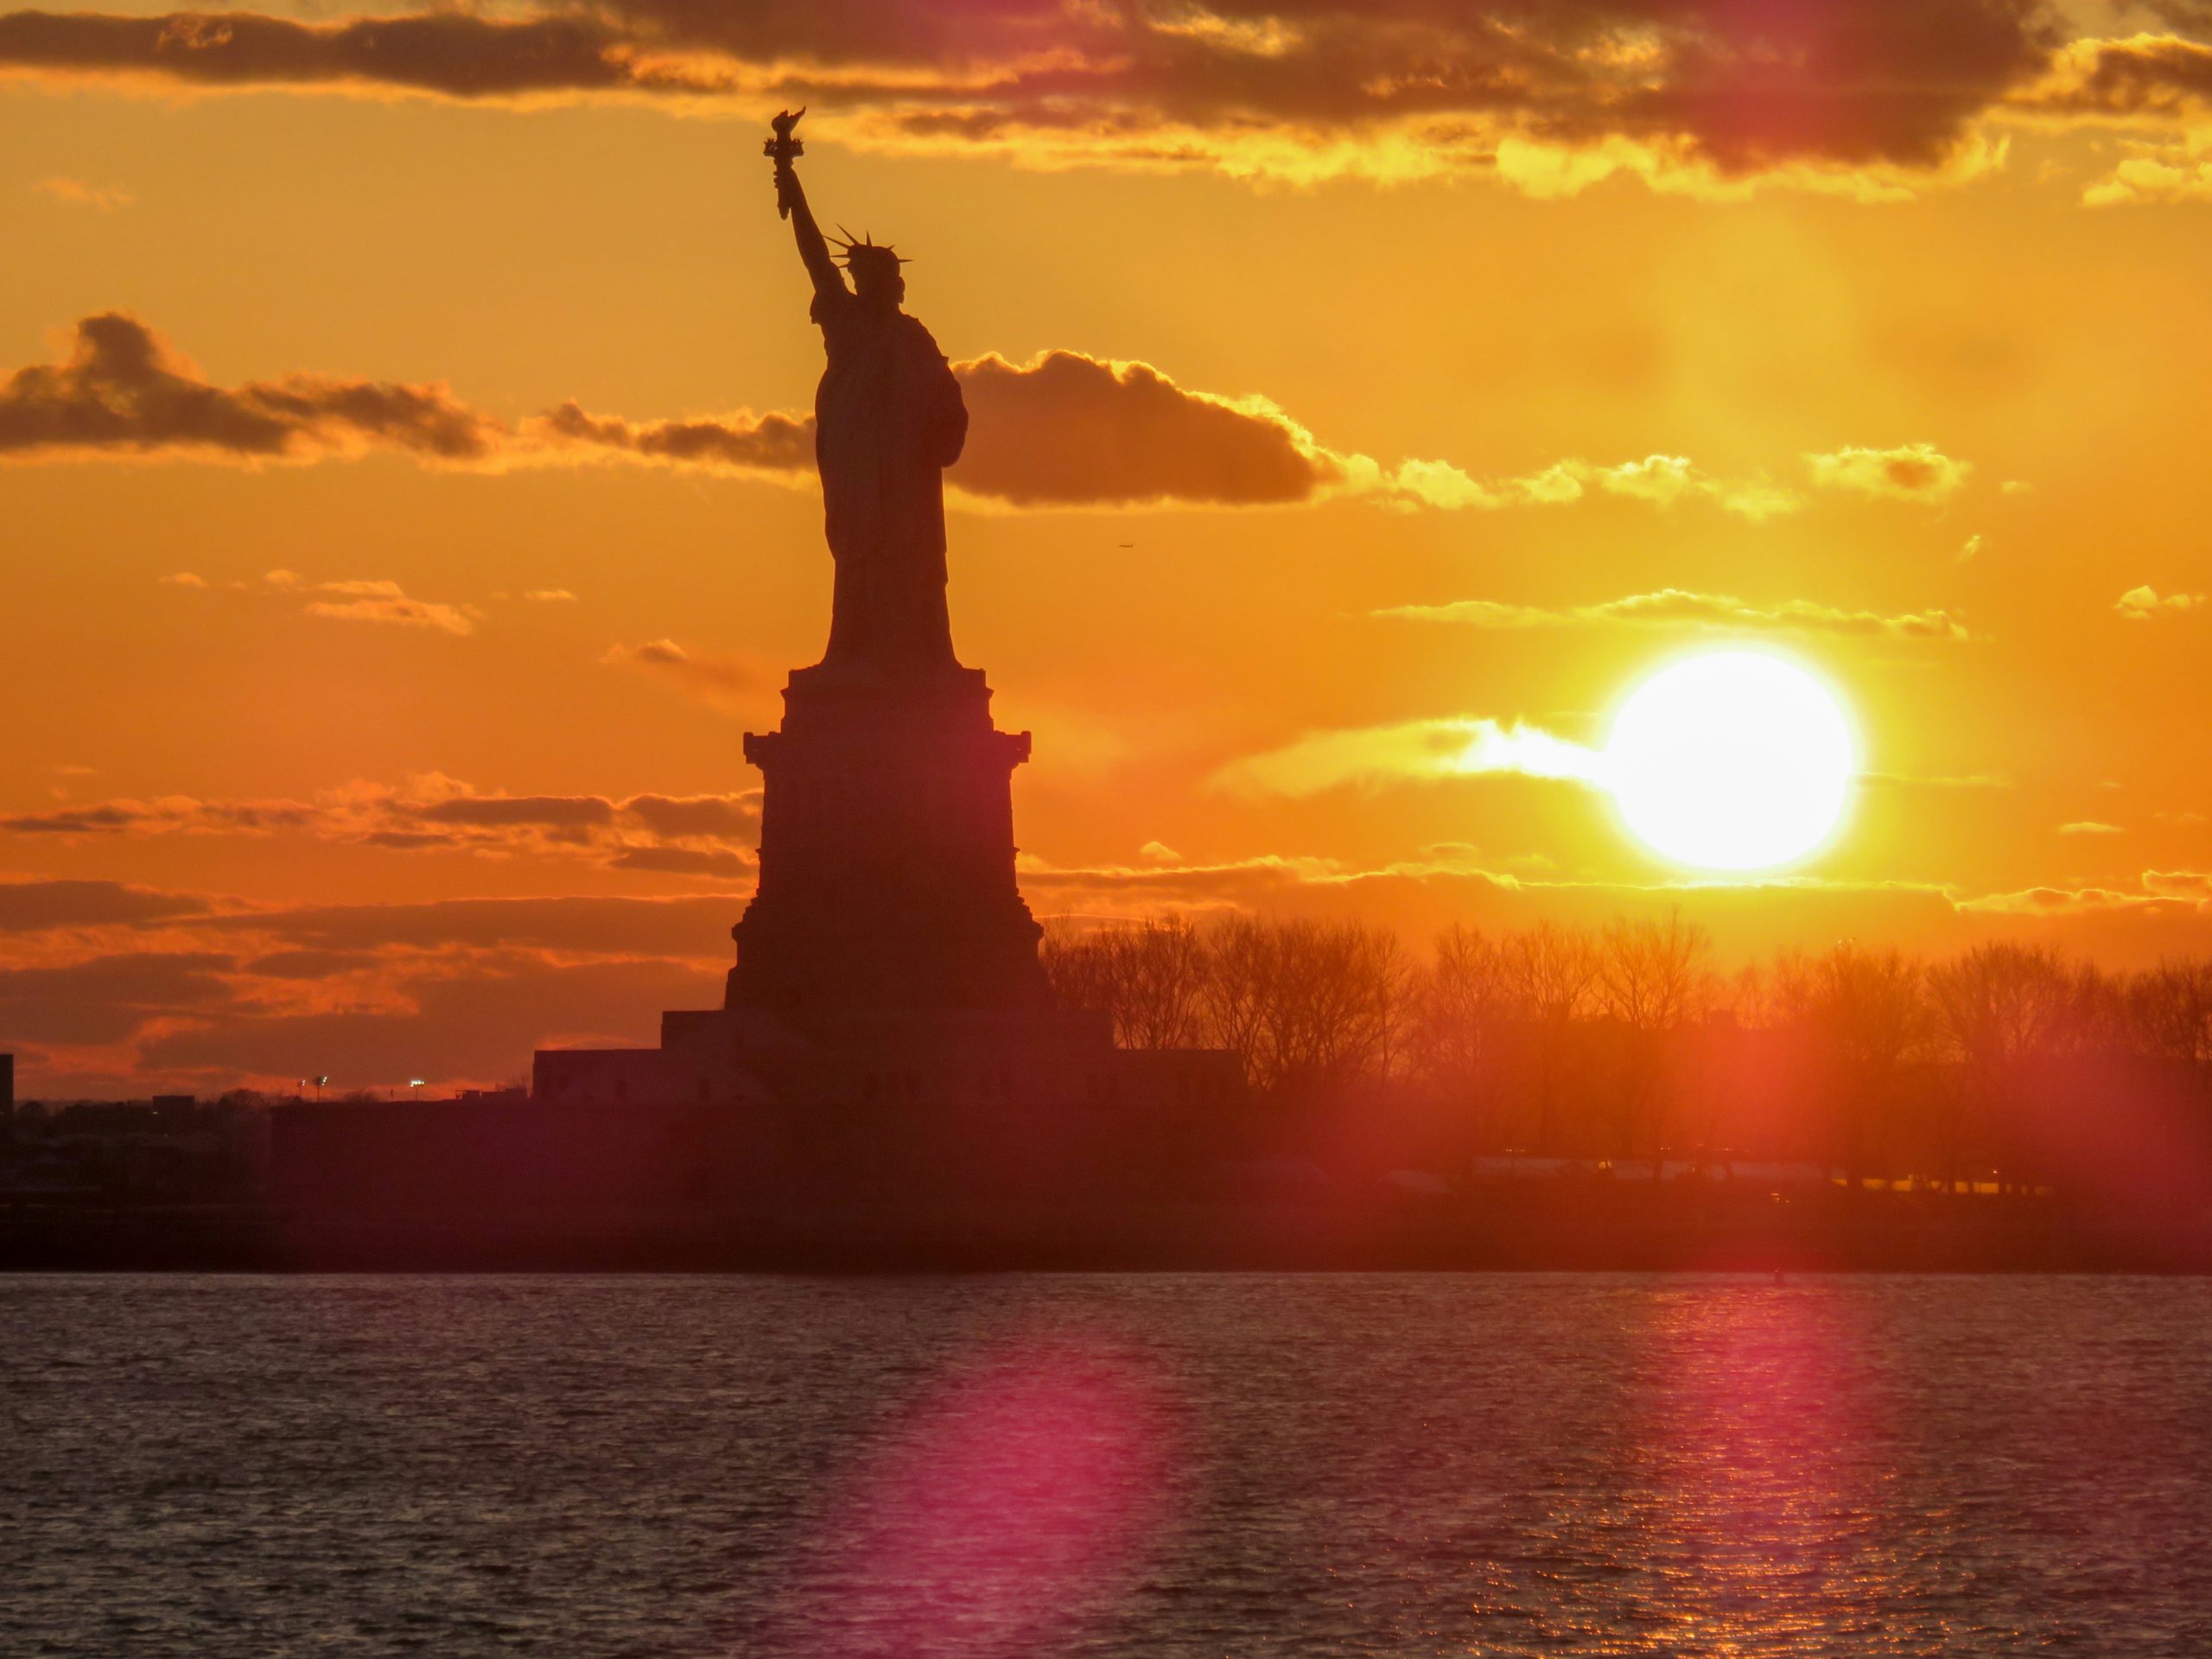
{"points": [[2008, 1064]]}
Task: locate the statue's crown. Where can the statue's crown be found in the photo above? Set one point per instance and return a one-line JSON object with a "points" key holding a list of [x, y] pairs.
{"points": [[864, 250]]}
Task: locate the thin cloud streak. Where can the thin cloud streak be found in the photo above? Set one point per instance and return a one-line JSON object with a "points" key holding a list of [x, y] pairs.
{"points": [[1420, 749], [1678, 608]]}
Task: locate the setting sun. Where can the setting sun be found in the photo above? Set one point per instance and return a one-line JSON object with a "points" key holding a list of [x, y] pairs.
{"points": [[1731, 761]]}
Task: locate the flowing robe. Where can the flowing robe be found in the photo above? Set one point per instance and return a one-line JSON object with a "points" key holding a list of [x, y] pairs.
{"points": [[888, 420]]}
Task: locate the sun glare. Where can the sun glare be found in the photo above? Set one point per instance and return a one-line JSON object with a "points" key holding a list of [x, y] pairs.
{"points": [[1731, 761]]}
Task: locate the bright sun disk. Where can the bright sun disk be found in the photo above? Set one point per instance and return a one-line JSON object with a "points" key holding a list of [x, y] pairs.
{"points": [[1731, 761]]}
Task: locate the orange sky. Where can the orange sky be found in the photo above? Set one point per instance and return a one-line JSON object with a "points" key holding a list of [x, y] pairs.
{"points": [[1914, 389]]}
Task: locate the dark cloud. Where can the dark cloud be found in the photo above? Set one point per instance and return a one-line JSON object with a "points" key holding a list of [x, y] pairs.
{"points": [[2147, 75], [1250, 84], [106, 999], [34, 906], [683, 861], [672, 834], [695, 927], [1064, 430], [697, 815], [172, 815], [107, 820], [774, 442], [730, 683], [496, 810], [481, 1023], [450, 53], [123, 389], [310, 964]]}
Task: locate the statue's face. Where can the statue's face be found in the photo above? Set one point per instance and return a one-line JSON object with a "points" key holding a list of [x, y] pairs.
{"points": [[881, 285]]}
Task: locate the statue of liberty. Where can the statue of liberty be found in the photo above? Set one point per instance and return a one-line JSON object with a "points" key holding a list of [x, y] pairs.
{"points": [[888, 420]]}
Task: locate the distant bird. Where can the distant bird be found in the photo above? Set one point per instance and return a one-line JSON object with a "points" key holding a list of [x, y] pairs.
{"points": [[1126, 543]]}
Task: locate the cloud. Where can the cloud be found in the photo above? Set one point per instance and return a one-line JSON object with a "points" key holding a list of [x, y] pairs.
{"points": [[451, 54], [564, 811], [1067, 429], [773, 443], [697, 815], [1911, 471], [1064, 430], [2141, 604], [694, 834], [1677, 608], [1423, 749], [2056, 901], [1657, 480], [100, 198], [693, 927], [2090, 827], [30, 906], [166, 814], [1551, 95], [2167, 894], [123, 390], [683, 861], [2140, 77], [550, 597], [2178, 172], [384, 601], [105, 999], [356, 599], [471, 1018], [731, 684], [310, 964], [371, 994]]}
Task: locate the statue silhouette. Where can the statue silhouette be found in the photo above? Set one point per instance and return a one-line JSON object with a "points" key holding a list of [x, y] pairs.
{"points": [[888, 420]]}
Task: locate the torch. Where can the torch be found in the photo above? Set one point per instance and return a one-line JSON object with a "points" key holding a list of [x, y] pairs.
{"points": [[782, 149]]}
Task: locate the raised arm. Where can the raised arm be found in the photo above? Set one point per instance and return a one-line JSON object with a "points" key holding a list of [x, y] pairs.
{"points": [[791, 202]]}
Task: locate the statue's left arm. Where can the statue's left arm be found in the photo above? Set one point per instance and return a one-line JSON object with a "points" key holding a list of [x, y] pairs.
{"points": [[945, 410]]}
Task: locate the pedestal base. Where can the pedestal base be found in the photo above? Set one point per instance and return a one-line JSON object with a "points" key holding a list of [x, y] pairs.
{"points": [[887, 852]]}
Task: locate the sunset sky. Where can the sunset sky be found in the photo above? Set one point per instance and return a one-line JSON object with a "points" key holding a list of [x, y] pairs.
{"points": [[406, 498]]}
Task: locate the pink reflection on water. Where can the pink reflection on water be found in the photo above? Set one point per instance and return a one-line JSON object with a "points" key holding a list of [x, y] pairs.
{"points": [[1762, 1522], [1007, 1504]]}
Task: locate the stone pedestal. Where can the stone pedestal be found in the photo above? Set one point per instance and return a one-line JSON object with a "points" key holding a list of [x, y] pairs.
{"points": [[886, 853]]}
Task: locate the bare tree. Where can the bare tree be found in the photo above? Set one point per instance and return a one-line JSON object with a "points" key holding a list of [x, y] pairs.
{"points": [[1078, 967], [1652, 981], [1162, 975], [1553, 973], [1150, 979], [1312, 1006], [2003, 1009], [1463, 1009], [1867, 1017], [1241, 969], [2170, 1012]]}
